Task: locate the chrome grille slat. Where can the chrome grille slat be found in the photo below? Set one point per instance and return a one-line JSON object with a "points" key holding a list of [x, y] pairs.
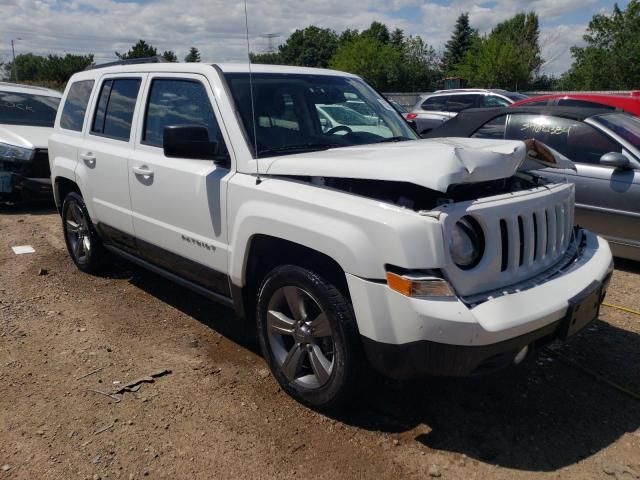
{"points": [[551, 232]]}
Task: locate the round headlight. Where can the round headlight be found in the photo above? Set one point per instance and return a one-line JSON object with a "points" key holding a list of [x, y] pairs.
{"points": [[467, 243]]}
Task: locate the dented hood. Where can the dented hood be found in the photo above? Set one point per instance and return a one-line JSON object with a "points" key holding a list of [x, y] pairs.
{"points": [[434, 164]]}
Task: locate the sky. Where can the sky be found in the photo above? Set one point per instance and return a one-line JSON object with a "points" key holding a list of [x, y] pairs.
{"points": [[217, 27]]}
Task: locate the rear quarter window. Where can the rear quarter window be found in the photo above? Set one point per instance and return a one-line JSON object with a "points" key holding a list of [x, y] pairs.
{"points": [[75, 106], [116, 105]]}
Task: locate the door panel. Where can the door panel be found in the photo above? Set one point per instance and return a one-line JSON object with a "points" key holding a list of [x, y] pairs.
{"points": [[179, 204], [103, 157]]}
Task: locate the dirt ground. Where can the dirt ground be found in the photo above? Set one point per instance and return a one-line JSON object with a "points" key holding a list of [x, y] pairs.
{"points": [[572, 413]]}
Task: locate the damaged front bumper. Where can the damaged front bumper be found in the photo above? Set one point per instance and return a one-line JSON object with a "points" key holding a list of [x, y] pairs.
{"points": [[406, 337]]}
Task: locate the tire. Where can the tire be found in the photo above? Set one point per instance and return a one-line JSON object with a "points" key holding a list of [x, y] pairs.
{"points": [[309, 338], [83, 243]]}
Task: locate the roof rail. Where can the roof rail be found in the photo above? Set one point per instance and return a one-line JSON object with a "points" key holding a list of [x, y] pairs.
{"points": [[129, 61]]}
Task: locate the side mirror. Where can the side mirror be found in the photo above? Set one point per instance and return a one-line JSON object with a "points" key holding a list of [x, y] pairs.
{"points": [[189, 141], [615, 160]]}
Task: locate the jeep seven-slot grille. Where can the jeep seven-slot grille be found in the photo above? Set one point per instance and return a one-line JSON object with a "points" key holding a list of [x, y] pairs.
{"points": [[526, 233], [533, 237]]}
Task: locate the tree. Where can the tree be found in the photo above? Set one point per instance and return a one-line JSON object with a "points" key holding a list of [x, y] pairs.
{"points": [[509, 57], [523, 31], [397, 38], [311, 47], [419, 67], [170, 56], [377, 31], [52, 68], [610, 58], [348, 35], [193, 55], [140, 50], [459, 44], [272, 58], [493, 62], [376, 62]]}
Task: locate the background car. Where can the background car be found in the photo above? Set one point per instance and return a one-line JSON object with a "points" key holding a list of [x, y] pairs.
{"points": [[627, 103], [605, 147], [434, 109], [27, 115]]}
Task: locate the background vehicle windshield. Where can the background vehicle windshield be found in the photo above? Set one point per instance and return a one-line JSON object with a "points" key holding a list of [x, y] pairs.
{"points": [[26, 109], [626, 126], [295, 113]]}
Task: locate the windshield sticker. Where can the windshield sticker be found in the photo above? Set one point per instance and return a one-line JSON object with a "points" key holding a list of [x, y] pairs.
{"points": [[19, 106], [540, 128]]}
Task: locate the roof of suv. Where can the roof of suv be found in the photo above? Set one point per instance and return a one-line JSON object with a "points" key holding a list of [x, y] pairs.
{"points": [[20, 88], [183, 67]]}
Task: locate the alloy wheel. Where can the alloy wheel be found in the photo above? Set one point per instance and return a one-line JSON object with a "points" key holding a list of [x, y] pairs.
{"points": [[77, 231], [301, 337]]}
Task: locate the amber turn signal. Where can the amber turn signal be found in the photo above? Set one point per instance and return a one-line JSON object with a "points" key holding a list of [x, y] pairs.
{"points": [[419, 287]]}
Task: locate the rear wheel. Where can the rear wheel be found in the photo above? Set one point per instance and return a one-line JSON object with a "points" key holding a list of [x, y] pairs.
{"points": [[83, 243], [308, 335]]}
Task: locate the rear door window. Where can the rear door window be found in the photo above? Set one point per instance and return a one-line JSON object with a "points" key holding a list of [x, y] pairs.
{"points": [[75, 106], [494, 129], [116, 105], [493, 101], [436, 103], [457, 103]]}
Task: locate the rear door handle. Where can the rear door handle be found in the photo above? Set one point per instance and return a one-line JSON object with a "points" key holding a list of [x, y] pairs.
{"points": [[144, 171], [89, 159]]}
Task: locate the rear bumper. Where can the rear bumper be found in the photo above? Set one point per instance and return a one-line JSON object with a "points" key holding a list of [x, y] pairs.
{"points": [[406, 337]]}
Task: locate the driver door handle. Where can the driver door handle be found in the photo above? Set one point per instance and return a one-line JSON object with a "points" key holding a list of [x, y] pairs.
{"points": [[144, 171], [89, 159]]}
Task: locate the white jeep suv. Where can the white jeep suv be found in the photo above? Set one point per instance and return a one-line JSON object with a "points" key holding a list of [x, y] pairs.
{"points": [[346, 248]]}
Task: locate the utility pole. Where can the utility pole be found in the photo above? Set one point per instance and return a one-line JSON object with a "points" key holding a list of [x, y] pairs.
{"points": [[15, 67]]}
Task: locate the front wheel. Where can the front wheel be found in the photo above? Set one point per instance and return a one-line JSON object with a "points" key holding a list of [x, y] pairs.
{"points": [[83, 243], [308, 335]]}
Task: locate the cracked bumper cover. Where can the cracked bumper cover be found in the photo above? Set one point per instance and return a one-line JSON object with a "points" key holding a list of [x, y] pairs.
{"points": [[405, 337]]}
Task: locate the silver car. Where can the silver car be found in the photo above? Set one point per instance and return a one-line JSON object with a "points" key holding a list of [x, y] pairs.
{"points": [[605, 147], [433, 109]]}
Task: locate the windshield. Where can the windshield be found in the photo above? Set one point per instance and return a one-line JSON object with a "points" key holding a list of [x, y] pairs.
{"points": [[625, 126], [296, 113], [25, 109]]}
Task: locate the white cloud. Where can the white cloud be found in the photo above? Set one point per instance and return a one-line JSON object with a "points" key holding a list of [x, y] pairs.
{"points": [[217, 27]]}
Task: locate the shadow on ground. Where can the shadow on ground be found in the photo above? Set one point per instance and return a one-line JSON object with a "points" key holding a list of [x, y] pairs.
{"points": [[547, 414], [39, 207]]}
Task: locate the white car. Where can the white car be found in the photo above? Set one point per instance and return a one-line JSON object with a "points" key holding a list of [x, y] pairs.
{"points": [[26, 120], [342, 248], [433, 109]]}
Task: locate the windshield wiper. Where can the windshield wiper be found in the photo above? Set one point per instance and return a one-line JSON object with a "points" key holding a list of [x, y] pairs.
{"points": [[395, 139], [302, 148]]}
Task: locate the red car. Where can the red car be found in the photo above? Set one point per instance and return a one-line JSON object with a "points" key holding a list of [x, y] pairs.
{"points": [[628, 103]]}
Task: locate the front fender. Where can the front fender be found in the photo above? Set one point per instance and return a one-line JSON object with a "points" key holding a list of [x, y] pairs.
{"points": [[360, 234]]}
